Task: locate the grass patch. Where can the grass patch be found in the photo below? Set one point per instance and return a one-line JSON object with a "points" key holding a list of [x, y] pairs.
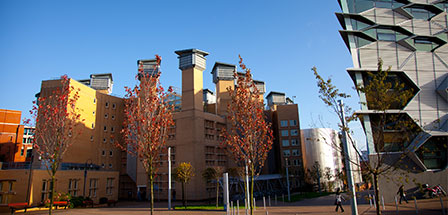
{"points": [[309, 195], [202, 207]]}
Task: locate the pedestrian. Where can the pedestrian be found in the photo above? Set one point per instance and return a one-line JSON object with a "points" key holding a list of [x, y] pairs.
{"points": [[174, 195], [402, 194], [338, 200]]}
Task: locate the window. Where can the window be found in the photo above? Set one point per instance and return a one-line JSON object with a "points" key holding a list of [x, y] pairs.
{"points": [[103, 153], [286, 153], [114, 106], [285, 133], [93, 112], [105, 128], [93, 125], [22, 151], [112, 129], [103, 165], [45, 192], [111, 153], [294, 132], [104, 140], [93, 187], [113, 117], [296, 162], [107, 104], [109, 186], [294, 142], [110, 166], [111, 140], [295, 152], [284, 123], [292, 122], [91, 138], [73, 187], [285, 142], [386, 36], [105, 115]]}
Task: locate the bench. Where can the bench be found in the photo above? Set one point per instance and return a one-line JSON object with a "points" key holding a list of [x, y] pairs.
{"points": [[18, 206], [88, 202], [111, 202], [60, 204]]}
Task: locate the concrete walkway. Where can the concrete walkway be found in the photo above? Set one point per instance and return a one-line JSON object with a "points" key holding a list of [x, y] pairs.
{"points": [[321, 205]]}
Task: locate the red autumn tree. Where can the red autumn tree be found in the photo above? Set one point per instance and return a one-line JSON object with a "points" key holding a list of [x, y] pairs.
{"points": [[57, 118], [148, 114], [249, 137]]}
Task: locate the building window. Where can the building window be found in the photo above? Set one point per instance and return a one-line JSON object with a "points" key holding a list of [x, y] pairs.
{"points": [[109, 186], [295, 152], [91, 138], [107, 104], [285, 142], [114, 106], [110, 166], [284, 123], [93, 112], [103, 153], [286, 153], [105, 128], [22, 151], [294, 142], [292, 122], [94, 101], [294, 132], [93, 125], [112, 129], [104, 140], [105, 115], [296, 162], [111, 153], [111, 140], [45, 190], [93, 187], [73, 187], [103, 165], [285, 133]]}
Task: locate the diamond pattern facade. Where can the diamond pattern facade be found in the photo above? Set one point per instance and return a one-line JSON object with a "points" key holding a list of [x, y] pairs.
{"points": [[410, 36]]}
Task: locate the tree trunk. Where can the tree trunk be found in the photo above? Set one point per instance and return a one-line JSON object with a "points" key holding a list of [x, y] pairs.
{"points": [[217, 194], [151, 190], [51, 193], [377, 194], [252, 194], [183, 195]]}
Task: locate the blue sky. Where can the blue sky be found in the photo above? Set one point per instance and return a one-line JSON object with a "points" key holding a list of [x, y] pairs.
{"points": [[279, 40]]}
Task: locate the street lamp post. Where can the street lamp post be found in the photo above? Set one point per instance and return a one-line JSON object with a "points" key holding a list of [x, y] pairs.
{"points": [[287, 180], [169, 178], [89, 164]]}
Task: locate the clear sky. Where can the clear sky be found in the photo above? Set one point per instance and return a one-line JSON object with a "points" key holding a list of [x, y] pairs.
{"points": [[279, 40]]}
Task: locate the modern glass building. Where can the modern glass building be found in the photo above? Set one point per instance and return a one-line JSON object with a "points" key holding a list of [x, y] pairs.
{"points": [[411, 37]]}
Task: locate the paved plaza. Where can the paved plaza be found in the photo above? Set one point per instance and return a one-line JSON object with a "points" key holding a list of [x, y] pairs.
{"points": [[321, 205]]}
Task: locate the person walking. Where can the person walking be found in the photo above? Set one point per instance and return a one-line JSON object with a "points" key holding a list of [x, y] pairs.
{"points": [[402, 194], [338, 200]]}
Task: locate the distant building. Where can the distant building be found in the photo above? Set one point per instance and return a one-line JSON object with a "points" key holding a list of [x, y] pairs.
{"points": [[28, 138], [11, 135], [322, 147]]}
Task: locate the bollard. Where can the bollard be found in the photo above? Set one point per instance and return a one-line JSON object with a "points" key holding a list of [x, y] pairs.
{"points": [[382, 201], [415, 203], [275, 199], [238, 206], [255, 205], [269, 198], [231, 208], [441, 203], [264, 203], [396, 205], [374, 201]]}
